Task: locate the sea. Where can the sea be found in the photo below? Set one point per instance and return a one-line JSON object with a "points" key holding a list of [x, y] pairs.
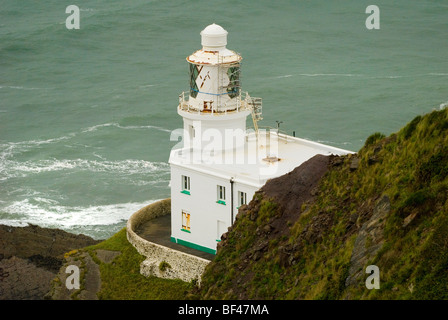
{"points": [[86, 114]]}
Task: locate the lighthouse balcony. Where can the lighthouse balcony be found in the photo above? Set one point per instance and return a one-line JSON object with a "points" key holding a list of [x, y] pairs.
{"points": [[243, 102]]}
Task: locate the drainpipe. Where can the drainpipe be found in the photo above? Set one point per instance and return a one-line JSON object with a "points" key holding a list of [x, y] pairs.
{"points": [[231, 200]]}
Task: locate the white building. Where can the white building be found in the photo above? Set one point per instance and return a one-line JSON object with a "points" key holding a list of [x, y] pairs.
{"points": [[221, 163]]}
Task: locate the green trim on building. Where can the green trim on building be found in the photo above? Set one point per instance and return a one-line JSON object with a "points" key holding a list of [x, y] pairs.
{"points": [[185, 230], [192, 245], [185, 192], [221, 202]]}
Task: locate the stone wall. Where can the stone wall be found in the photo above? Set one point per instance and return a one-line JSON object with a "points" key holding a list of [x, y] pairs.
{"points": [[162, 261]]}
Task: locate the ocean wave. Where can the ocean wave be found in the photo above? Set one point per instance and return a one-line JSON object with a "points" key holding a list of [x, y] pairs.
{"points": [[144, 127], [146, 86], [9, 149], [388, 77], [13, 169], [117, 125], [443, 105], [332, 143], [36, 142], [24, 88], [96, 127], [329, 75], [49, 213], [284, 76]]}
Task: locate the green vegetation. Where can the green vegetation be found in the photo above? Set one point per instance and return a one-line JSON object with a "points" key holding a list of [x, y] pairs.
{"points": [[399, 185], [387, 205], [163, 266], [121, 279]]}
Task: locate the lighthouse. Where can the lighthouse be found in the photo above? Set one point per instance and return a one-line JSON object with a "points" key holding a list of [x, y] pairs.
{"points": [[221, 162], [214, 105]]}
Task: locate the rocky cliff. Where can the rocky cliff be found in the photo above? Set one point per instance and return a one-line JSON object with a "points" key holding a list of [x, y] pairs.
{"points": [[312, 233], [30, 258]]}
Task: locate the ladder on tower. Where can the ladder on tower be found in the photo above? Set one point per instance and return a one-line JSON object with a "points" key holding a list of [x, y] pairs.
{"points": [[220, 80], [255, 104]]}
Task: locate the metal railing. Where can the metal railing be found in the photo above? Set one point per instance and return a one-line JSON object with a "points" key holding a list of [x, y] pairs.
{"points": [[243, 102]]}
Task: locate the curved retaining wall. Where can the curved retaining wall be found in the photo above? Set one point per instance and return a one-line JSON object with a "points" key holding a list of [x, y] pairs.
{"points": [[177, 265]]}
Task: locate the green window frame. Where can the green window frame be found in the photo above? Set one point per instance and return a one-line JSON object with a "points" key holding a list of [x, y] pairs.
{"points": [[242, 198], [234, 86], [221, 195], [194, 73], [185, 185], [186, 221]]}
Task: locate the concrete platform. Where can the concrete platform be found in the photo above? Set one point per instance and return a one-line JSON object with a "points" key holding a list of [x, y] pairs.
{"points": [[158, 230]]}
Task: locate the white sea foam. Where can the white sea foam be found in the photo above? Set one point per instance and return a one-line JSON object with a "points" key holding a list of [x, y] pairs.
{"points": [[23, 88], [9, 149], [144, 127], [31, 143], [38, 142], [49, 213], [443, 105], [332, 143], [329, 75], [285, 76], [96, 127], [98, 156], [388, 77], [117, 125], [12, 169]]}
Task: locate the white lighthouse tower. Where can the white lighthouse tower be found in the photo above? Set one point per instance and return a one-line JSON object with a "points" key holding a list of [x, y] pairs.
{"points": [[221, 165], [214, 105]]}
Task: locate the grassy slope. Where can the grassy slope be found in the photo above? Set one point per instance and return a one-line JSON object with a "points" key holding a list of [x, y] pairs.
{"points": [[121, 279], [411, 169]]}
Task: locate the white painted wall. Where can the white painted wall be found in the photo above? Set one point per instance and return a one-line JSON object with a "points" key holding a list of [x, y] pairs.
{"points": [[214, 132], [201, 204], [208, 219], [249, 190], [212, 83]]}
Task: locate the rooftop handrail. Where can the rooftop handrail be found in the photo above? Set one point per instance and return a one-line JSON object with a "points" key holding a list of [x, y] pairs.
{"points": [[241, 104]]}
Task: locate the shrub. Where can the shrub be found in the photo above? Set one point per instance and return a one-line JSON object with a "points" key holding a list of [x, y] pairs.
{"points": [[410, 127], [436, 167], [374, 138], [163, 266]]}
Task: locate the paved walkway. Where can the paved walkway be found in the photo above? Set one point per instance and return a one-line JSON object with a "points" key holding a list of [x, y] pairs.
{"points": [[158, 230]]}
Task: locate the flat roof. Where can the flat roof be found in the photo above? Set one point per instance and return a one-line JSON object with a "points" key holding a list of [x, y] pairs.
{"points": [[267, 156]]}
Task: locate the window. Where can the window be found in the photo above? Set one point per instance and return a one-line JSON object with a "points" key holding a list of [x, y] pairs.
{"points": [[185, 185], [221, 195], [194, 73], [185, 221], [233, 89], [242, 198], [221, 228]]}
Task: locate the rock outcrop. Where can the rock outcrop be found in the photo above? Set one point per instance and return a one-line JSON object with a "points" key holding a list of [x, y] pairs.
{"points": [[31, 257]]}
